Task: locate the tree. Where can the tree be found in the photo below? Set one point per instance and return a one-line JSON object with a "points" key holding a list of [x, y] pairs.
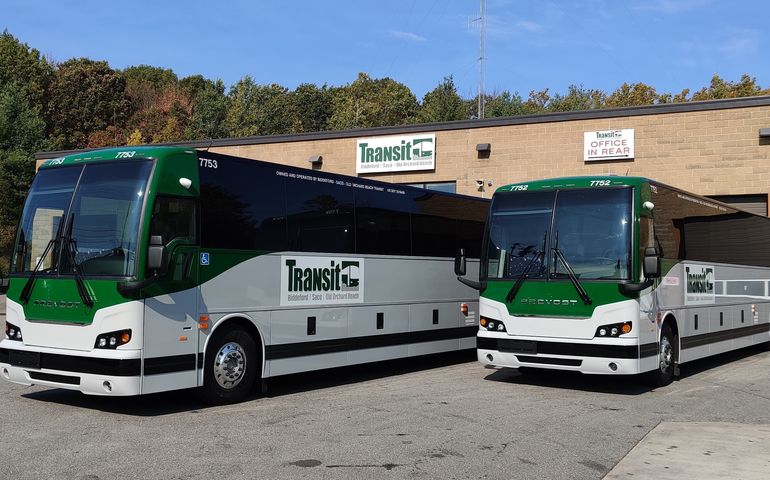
{"points": [[22, 65], [637, 94], [145, 85], [577, 98], [256, 109], [85, 96], [442, 104], [720, 88], [506, 104], [208, 104], [310, 108], [368, 102]]}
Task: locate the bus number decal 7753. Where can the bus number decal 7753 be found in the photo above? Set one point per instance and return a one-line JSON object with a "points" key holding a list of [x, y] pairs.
{"points": [[205, 162]]}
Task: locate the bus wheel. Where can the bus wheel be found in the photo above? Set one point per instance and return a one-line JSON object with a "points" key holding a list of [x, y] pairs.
{"points": [[664, 374], [231, 366]]}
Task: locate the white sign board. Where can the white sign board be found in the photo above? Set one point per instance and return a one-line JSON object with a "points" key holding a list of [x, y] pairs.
{"points": [[396, 154], [321, 280], [608, 145]]}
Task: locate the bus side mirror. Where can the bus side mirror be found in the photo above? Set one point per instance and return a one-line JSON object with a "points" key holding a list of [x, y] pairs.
{"points": [[651, 263], [3, 286], [460, 262], [157, 256]]}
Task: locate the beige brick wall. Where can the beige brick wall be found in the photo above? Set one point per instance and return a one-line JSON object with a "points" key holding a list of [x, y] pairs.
{"points": [[714, 152]]}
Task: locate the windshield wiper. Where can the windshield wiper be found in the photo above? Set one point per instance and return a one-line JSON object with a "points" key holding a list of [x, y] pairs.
{"points": [[70, 245], [26, 292], [520, 280], [572, 277]]}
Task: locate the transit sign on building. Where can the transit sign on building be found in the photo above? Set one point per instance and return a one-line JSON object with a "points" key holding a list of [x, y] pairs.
{"points": [[396, 154], [608, 145]]}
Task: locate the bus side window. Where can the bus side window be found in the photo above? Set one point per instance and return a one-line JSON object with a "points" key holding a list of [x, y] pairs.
{"points": [[174, 218]]}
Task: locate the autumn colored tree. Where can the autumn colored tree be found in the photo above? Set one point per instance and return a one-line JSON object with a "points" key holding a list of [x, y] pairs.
{"points": [[719, 88], [85, 96]]}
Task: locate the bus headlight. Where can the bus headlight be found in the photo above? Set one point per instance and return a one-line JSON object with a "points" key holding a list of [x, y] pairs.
{"points": [[613, 330], [113, 340], [13, 332], [492, 325]]}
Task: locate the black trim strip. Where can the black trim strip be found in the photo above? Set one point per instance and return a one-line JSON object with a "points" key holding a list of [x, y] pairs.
{"points": [[172, 364], [567, 362], [721, 336], [117, 367], [52, 377], [301, 349], [648, 350], [560, 348]]}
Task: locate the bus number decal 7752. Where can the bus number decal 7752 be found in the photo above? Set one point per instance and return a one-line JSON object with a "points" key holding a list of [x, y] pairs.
{"points": [[205, 162]]}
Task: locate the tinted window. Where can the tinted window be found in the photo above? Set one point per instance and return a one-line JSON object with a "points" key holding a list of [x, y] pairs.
{"points": [[242, 206], [433, 226], [379, 228], [173, 218], [320, 216]]}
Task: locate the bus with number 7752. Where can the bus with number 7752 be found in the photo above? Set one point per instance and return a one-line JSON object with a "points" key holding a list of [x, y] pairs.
{"points": [[618, 275]]}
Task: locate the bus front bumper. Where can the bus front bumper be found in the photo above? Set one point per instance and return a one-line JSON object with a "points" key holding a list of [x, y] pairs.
{"points": [[584, 357], [111, 372]]}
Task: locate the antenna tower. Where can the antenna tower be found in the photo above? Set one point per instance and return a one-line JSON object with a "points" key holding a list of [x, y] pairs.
{"points": [[482, 54]]}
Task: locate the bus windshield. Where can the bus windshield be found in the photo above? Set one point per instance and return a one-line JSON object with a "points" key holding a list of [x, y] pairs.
{"points": [[100, 205], [591, 228]]}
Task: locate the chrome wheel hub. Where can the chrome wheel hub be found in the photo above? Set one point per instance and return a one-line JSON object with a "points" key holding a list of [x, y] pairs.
{"points": [[229, 365], [666, 354]]}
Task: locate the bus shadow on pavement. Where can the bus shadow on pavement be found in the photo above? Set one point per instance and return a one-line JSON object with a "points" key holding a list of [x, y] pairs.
{"points": [[619, 384], [179, 401]]}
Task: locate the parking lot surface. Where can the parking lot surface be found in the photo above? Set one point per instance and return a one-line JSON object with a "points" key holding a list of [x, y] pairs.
{"points": [[443, 417]]}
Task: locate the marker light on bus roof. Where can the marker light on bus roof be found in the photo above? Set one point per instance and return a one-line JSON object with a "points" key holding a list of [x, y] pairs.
{"points": [[648, 205], [186, 183]]}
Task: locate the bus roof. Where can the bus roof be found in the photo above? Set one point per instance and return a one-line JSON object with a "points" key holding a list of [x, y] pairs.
{"points": [[116, 154], [575, 182]]}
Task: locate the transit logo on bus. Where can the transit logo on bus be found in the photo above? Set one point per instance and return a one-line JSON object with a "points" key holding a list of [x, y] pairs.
{"points": [[321, 280], [395, 154], [699, 284]]}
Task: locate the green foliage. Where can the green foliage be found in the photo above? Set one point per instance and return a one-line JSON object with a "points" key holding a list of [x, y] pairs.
{"points": [[368, 102], [720, 88], [442, 104], [256, 109], [21, 124], [208, 104], [577, 98], [22, 65], [506, 104], [85, 96], [310, 108], [636, 94]]}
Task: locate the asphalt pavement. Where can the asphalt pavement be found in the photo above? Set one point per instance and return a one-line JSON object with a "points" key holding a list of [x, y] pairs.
{"points": [[443, 418]]}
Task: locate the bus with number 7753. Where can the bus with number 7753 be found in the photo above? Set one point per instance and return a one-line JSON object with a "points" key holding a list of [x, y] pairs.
{"points": [[140, 270]]}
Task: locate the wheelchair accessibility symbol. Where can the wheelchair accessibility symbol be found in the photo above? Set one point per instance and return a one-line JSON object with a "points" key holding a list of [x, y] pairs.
{"points": [[204, 258]]}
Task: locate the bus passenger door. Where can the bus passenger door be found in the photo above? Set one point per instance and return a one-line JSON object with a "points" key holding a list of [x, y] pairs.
{"points": [[169, 358]]}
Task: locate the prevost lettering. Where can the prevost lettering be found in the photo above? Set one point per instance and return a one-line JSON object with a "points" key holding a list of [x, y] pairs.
{"points": [[547, 301]]}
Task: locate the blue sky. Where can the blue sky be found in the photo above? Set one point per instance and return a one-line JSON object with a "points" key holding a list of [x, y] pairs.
{"points": [[669, 44]]}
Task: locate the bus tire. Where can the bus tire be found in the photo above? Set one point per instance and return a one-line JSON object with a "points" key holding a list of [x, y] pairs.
{"points": [[231, 367], [664, 374]]}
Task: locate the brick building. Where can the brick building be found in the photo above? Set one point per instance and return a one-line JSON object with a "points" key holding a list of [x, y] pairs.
{"points": [[717, 148]]}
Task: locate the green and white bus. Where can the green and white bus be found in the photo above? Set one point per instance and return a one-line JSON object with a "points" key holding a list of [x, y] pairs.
{"points": [[618, 275], [140, 270]]}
